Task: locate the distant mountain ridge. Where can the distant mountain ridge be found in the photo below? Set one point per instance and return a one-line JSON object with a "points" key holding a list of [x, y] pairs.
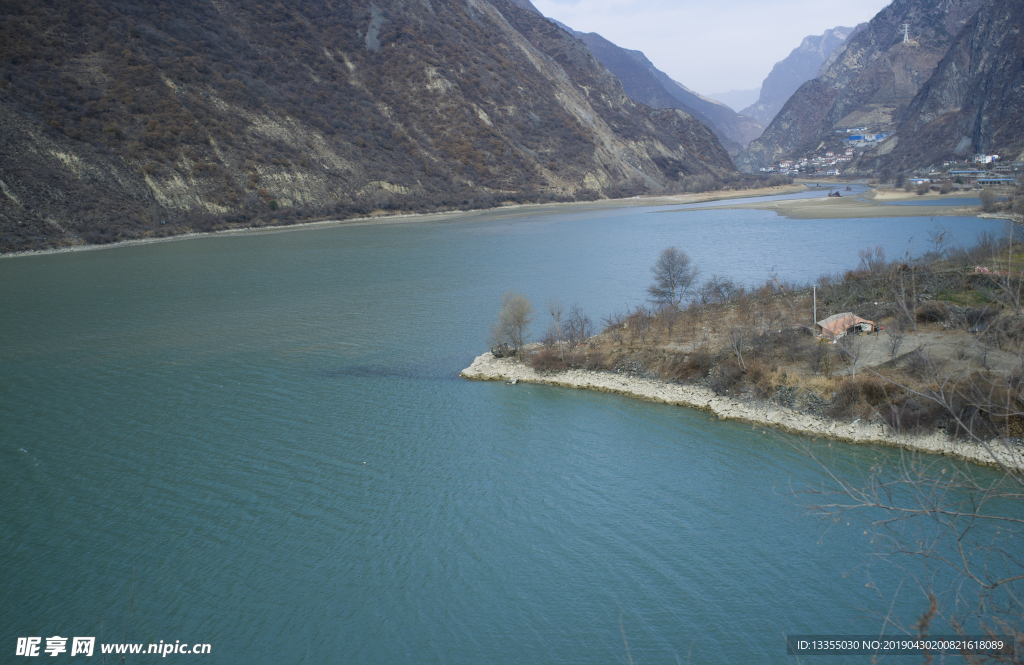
{"points": [[869, 82], [133, 120], [645, 83], [800, 66]]}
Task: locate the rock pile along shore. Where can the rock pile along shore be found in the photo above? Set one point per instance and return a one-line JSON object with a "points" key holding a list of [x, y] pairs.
{"points": [[488, 368]]}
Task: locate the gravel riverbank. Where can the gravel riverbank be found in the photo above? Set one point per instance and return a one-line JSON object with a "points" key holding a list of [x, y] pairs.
{"points": [[488, 368]]}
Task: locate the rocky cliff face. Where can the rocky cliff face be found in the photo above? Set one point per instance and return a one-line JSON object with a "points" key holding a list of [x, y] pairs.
{"points": [[869, 82], [800, 66], [647, 84], [973, 103], [122, 121]]}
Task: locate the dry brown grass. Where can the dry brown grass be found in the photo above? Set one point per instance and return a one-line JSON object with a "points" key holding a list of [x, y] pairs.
{"points": [[955, 364]]}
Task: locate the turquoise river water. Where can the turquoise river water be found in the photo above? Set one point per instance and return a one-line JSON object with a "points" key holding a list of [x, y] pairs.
{"points": [[268, 432]]}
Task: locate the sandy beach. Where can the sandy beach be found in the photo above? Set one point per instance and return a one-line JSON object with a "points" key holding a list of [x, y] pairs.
{"points": [[869, 204], [503, 212], [488, 368]]}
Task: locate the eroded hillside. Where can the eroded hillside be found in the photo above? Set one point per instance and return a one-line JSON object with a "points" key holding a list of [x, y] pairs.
{"points": [[127, 121], [647, 84], [973, 103], [869, 81]]}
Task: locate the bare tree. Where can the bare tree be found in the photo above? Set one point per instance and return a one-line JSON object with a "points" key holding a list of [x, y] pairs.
{"points": [[639, 322], [668, 316], [939, 237], [988, 200], [614, 325], [852, 349], [555, 310], [872, 260], [673, 277], [737, 339], [578, 327], [949, 516], [514, 321], [718, 290], [895, 340]]}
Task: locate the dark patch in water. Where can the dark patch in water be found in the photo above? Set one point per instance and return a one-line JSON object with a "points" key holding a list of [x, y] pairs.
{"points": [[408, 372]]}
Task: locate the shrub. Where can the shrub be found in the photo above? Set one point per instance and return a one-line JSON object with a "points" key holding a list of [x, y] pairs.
{"points": [[931, 312], [692, 367], [547, 360], [916, 363], [726, 377], [988, 200], [760, 377], [857, 397], [595, 360], [978, 316], [911, 415]]}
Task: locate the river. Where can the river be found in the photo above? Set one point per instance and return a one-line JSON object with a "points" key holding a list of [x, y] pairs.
{"points": [[267, 434]]}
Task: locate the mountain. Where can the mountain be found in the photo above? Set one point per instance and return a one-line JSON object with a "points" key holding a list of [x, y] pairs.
{"points": [[647, 84], [869, 82], [801, 65], [133, 120], [973, 102], [737, 99], [526, 4]]}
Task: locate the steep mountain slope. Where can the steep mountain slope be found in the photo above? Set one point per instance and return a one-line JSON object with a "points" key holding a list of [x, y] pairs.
{"points": [[526, 4], [870, 81], [645, 83], [973, 103], [157, 117], [788, 75]]}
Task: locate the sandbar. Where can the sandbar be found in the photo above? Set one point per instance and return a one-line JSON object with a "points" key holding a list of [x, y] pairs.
{"points": [[870, 204]]}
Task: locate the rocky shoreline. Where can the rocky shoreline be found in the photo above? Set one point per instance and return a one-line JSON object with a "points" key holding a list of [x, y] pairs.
{"points": [[488, 368]]}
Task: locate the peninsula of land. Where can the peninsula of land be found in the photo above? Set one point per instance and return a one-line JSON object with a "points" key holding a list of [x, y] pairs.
{"points": [[757, 412], [926, 354]]}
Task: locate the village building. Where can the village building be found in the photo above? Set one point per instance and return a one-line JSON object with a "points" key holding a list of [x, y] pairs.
{"points": [[838, 325], [993, 180], [967, 174]]}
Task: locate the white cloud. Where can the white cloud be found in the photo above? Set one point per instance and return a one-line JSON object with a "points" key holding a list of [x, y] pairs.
{"points": [[710, 45]]}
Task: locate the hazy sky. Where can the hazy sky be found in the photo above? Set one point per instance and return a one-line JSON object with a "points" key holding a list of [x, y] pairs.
{"points": [[711, 45]]}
